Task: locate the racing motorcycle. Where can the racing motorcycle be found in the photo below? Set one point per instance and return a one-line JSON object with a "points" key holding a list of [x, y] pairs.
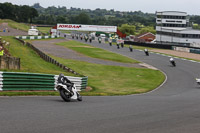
{"points": [[198, 81], [172, 62], [67, 89], [131, 48], [146, 52]]}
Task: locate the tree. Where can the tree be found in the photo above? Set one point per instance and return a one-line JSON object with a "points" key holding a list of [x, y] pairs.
{"points": [[61, 19], [33, 14], [196, 26], [8, 11], [83, 18], [127, 29], [147, 29], [24, 14], [17, 13]]}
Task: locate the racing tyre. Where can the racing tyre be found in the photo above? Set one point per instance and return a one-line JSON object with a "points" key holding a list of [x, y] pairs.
{"points": [[65, 95]]}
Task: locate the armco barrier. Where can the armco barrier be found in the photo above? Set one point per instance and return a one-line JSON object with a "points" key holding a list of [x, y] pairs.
{"points": [[19, 81]]}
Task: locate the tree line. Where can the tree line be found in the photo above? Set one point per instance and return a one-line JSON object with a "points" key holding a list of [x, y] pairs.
{"points": [[128, 22], [53, 15], [17, 13]]}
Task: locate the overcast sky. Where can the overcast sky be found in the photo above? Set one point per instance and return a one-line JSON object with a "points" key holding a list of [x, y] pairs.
{"points": [[192, 7]]}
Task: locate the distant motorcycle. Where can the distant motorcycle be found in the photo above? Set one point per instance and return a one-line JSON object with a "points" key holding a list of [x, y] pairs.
{"points": [[67, 89], [198, 81], [110, 41], [122, 45], [131, 48], [117, 45], [146, 52], [172, 62]]}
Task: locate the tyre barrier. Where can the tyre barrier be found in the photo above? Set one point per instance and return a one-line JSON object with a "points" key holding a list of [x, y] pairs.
{"points": [[35, 37], [21, 81]]}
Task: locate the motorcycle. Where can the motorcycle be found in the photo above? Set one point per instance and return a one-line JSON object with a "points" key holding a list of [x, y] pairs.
{"points": [[172, 62], [146, 52], [67, 89], [131, 48], [110, 43], [117, 45], [99, 40], [122, 45], [198, 81]]}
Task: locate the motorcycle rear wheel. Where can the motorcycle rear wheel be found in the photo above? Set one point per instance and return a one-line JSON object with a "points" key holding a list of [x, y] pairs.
{"points": [[65, 95]]}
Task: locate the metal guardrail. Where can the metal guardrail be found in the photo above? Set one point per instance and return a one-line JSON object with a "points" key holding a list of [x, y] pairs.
{"points": [[20, 81]]}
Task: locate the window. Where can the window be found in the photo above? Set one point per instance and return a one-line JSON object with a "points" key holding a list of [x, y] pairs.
{"points": [[159, 16]]}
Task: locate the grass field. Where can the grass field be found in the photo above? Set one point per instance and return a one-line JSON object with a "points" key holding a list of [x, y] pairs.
{"points": [[115, 80], [15, 25], [111, 80], [104, 80], [30, 61], [44, 30], [24, 27], [96, 52]]}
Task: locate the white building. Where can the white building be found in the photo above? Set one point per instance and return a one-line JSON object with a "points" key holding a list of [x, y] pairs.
{"points": [[173, 27]]}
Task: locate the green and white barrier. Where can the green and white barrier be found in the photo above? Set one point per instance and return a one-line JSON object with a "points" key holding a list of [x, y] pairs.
{"points": [[19, 81], [36, 37], [185, 49], [196, 51]]}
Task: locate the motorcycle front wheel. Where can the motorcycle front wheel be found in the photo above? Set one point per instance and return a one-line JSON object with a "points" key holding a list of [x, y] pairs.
{"points": [[65, 95]]}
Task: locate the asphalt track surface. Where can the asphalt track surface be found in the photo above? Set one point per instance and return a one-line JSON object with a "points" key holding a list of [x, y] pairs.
{"points": [[172, 108]]}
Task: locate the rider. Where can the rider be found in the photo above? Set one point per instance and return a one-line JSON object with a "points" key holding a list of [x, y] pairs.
{"points": [[171, 59], [65, 81]]}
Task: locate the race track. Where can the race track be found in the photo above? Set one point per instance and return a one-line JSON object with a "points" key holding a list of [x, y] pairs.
{"points": [[172, 108]]}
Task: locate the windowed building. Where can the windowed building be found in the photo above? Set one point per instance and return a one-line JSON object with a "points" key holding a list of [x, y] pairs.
{"points": [[173, 27]]}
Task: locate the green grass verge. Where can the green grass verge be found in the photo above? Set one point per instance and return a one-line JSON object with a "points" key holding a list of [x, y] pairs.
{"points": [[104, 80], [96, 52], [44, 30], [30, 60], [22, 26], [15, 25], [66, 31], [115, 80]]}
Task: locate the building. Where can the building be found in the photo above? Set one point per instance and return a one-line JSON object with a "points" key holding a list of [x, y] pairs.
{"points": [[173, 27], [145, 37]]}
